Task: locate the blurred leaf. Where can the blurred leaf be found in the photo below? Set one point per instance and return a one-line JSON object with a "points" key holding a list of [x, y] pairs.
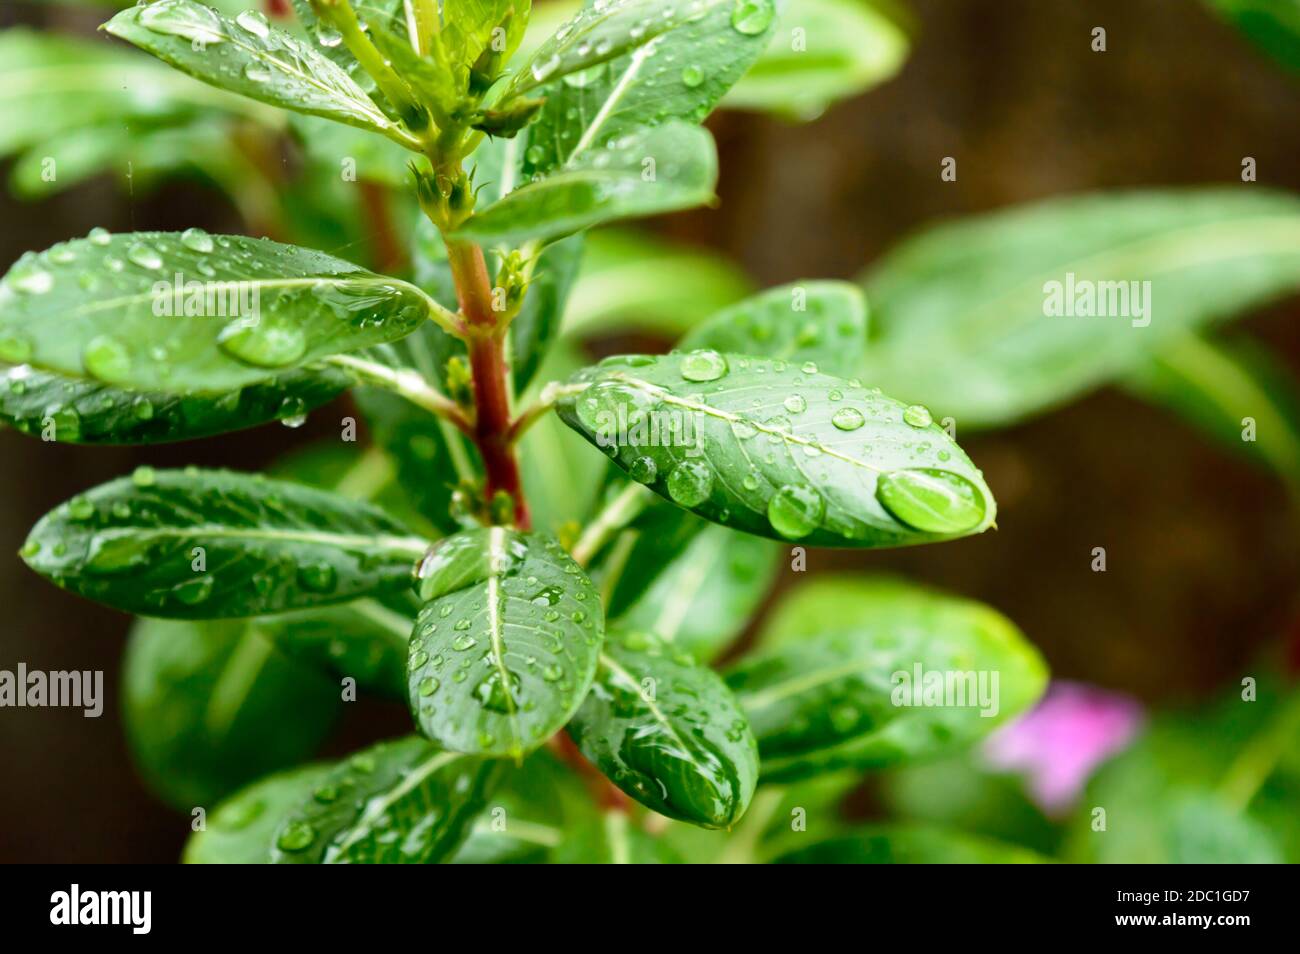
{"points": [[52, 85], [528, 814], [703, 598], [780, 451], [634, 282], [614, 839], [961, 310], [1218, 385], [833, 684], [190, 544], [373, 158], [197, 699], [365, 640], [823, 322], [248, 56], [403, 802], [1272, 25], [842, 48], [92, 307], [534, 624], [80, 411], [667, 732], [910, 845], [243, 826], [645, 172]]}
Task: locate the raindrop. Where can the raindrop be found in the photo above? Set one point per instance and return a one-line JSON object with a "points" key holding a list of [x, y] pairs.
{"points": [[795, 404], [933, 501], [15, 349], [917, 415], [255, 23], [143, 476], [690, 483], [644, 470], [692, 76], [848, 419], [263, 344], [144, 256], [99, 236], [30, 279], [190, 21], [752, 17], [107, 359], [796, 510], [297, 836], [703, 366], [197, 240]]}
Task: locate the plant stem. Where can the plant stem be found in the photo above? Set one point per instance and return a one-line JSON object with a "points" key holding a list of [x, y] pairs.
{"points": [[409, 384], [616, 515], [545, 401]]}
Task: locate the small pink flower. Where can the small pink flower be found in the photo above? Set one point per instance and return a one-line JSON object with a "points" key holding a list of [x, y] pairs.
{"points": [[1060, 742]]}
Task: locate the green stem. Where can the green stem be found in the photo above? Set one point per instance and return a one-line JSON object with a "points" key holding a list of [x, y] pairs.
{"points": [[342, 17], [409, 384], [617, 514]]}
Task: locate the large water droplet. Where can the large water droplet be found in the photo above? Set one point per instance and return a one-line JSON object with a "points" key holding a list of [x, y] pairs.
{"points": [[917, 415], [255, 23], [935, 501], [264, 343], [197, 240], [690, 483], [494, 694], [146, 256], [29, 278], [326, 35], [703, 366], [107, 359], [644, 470], [99, 236], [752, 17], [297, 836], [692, 76], [848, 419], [796, 510], [15, 349]]}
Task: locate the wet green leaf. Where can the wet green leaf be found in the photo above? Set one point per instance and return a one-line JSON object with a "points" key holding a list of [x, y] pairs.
{"points": [[403, 802], [668, 732], [823, 322], [965, 315], [506, 645], [159, 311], [780, 450], [910, 845], [822, 51], [528, 814], [197, 699], [247, 55], [82, 411], [646, 171], [621, 66], [835, 683], [209, 544], [242, 829]]}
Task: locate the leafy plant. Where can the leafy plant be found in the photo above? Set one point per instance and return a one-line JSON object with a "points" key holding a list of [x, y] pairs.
{"points": [[551, 563]]}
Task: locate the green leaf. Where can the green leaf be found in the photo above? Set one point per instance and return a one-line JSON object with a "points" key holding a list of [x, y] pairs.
{"points": [[242, 828], [51, 85], [668, 732], [961, 311], [248, 56], [1218, 386], [823, 322], [778, 450], [702, 599], [376, 159], [403, 802], [197, 699], [157, 311], [620, 66], [646, 171], [529, 813], [365, 640], [506, 645], [843, 48], [614, 839], [835, 684], [80, 411], [1272, 25], [207, 544], [910, 845], [634, 282]]}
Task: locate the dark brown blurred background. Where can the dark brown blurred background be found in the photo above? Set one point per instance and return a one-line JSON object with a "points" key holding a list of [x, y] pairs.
{"points": [[1202, 562]]}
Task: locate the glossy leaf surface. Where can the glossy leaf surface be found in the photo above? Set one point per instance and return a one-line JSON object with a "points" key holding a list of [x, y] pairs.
{"points": [[844, 676], [209, 544], [403, 802], [158, 311], [780, 450], [242, 829], [668, 732], [506, 645]]}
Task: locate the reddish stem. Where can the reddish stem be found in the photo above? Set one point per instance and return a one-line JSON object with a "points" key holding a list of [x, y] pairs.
{"points": [[487, 362], [604, 792], [388, 255]]}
